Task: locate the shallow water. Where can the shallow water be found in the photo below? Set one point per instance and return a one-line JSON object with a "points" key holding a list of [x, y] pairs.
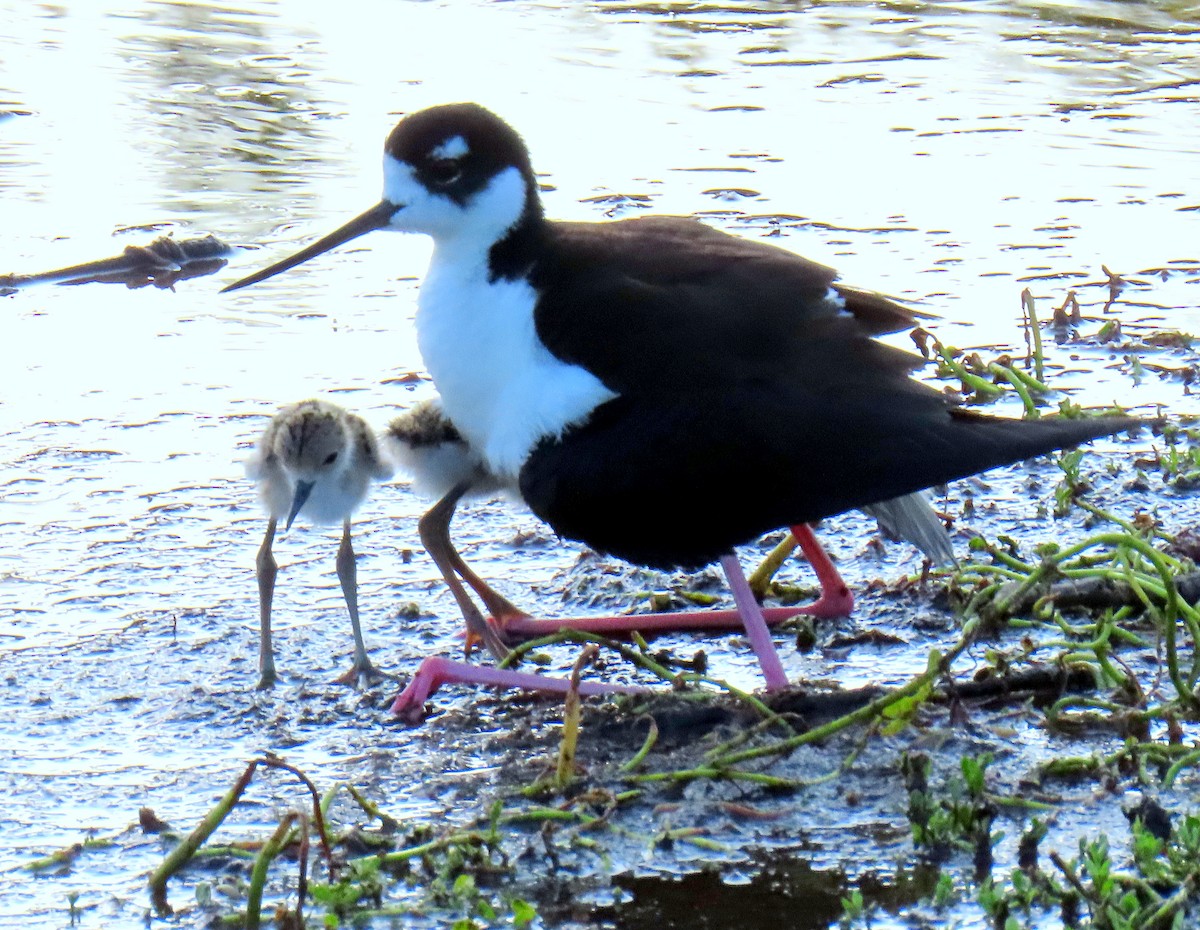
{"points": [[951, 154]]}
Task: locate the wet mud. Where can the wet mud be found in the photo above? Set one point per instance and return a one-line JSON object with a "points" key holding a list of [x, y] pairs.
{"points": [[164, 715]]}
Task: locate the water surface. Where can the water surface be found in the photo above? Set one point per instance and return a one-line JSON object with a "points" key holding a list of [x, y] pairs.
{"points": [[949, 154]]}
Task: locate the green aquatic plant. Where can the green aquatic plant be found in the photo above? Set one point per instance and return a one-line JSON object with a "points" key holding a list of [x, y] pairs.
{"points": [[443, 870], [1123, 580], [985, 382], [1179, 459], [856, 912], [1156, 892], [957, 816], [363, 881]]}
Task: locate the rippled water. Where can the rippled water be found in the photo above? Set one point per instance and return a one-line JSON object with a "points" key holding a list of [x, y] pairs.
{"points": [[951, 154], [948, 154]]}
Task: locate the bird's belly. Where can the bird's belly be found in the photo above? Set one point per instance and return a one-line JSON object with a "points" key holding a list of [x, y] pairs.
{"points": [[677, 481]]}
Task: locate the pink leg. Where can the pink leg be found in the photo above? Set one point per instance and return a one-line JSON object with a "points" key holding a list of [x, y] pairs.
{"points": [[757, 630], [835, 601], [435, 672]]}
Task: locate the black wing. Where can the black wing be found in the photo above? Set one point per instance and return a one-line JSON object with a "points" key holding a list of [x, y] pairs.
{"points": [[747, 400], [668, 300]]}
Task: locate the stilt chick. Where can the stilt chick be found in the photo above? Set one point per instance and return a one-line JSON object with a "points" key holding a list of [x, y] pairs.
{"points": [[318, 460]]}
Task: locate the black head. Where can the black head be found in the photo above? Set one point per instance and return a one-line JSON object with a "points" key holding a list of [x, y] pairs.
{"points": [[452, 171], [455, 149]]}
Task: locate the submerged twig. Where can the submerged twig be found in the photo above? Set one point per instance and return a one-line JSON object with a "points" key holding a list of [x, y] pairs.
{"points": [[163, 263]]}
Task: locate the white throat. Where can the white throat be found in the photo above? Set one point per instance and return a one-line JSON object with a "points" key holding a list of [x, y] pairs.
{"points": [[476, 224]]}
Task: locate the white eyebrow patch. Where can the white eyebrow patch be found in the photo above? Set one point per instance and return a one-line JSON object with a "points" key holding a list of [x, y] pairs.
{"points": [[453, 148]]}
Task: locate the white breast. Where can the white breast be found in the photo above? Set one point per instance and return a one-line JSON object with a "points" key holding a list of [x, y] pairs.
{"points": [[335, 497], [502, 388]]}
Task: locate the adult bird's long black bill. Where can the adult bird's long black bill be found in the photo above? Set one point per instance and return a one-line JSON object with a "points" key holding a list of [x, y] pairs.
{"points": [[303, 489], [375, 218]]}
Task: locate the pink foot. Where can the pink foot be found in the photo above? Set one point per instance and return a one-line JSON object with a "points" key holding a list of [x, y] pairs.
{"points": [[435, 672]]}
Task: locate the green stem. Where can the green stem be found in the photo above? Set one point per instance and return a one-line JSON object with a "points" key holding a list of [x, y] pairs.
{"points": [[369, 807], [1125, 525], [1034, 384], [180, 854], [1007, 374], [643, 661], [1035, 332], [470, 838], [1070, 701], [760, 578], [715, 772], [1178, 766], [567, 635], [743, 736], [694, 836], [572, 711], [640, 756], [974, 572], [938, 665], [1174, 610], [1001, 800], [1008, 560], [258, 874], [1172, 904], [972, 382]]}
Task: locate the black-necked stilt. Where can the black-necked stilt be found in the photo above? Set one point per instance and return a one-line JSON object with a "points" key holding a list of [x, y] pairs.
{"points": [[317, 460], [656, 388]]}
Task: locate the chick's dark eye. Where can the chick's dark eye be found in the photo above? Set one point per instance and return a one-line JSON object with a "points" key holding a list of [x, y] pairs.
{"points": [[444, 171], [331, 458]]}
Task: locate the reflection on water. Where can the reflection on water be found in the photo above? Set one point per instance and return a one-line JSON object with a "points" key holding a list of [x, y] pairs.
{"points": [[952, 154]]}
